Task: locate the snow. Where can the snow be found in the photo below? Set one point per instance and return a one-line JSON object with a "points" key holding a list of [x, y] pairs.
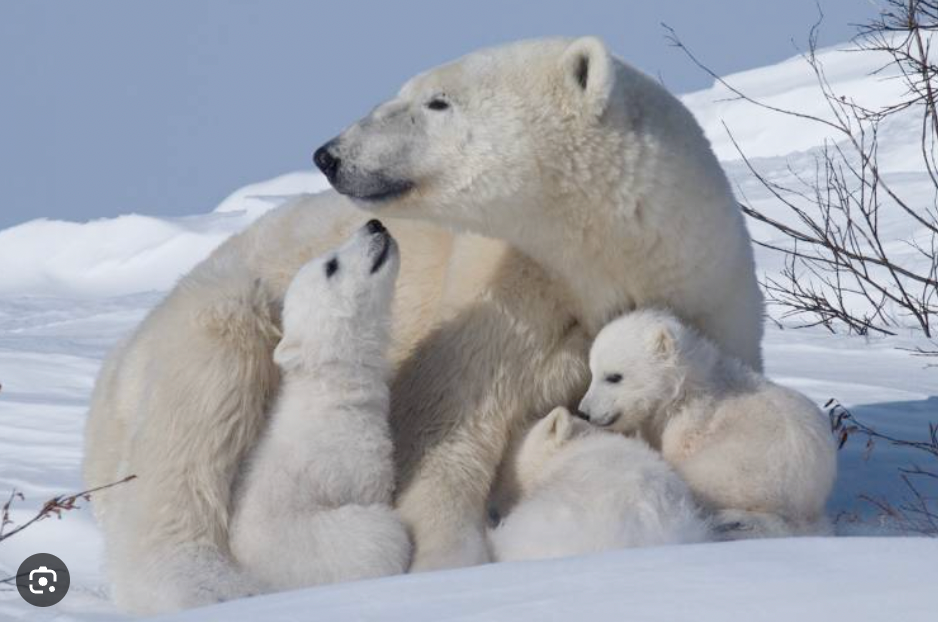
{"points": [[255, 199], [807, 579], [70, 290], [784, 148], [132, 253], [790, 85]]}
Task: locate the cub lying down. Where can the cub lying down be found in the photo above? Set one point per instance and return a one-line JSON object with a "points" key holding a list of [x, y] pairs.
{"points": [[584, 490], [314, 503], [759, 456]]}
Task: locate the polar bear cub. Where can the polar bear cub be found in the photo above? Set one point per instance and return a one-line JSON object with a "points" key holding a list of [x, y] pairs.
{"points": [[759, 456], [584, 490], [314, 505]]}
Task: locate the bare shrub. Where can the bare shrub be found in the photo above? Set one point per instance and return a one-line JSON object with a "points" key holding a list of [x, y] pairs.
{"points": [[840, 269]]}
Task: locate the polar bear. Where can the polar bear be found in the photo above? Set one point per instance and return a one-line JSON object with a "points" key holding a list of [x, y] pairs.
{"points": [[537, 190], [584, 490], [610, 198], [315, 502], [760, 456]]}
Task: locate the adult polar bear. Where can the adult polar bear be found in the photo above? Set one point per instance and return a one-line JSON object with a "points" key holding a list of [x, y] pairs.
{"points": [[597, 192]]}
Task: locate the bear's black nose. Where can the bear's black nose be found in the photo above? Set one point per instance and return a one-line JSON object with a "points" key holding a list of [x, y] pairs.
{"points": [[374, 226], [327, 163]]}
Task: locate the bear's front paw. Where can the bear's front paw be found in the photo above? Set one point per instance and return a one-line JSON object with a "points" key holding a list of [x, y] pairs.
{"points": [[468, 549]]}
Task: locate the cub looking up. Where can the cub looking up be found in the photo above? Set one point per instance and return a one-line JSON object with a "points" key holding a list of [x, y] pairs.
{"points": [[315, 502]]}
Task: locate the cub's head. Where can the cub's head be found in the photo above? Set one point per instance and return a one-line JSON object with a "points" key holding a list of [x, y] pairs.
{"points": [[484, 141], [338, 306], [543, 441], [638, 366]]}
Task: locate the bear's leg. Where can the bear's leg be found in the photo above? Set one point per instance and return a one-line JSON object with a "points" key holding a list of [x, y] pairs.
{"points": [[737, 327], [106, 433], [444, 502], [180, 578], [205, 384], [455, 401]]}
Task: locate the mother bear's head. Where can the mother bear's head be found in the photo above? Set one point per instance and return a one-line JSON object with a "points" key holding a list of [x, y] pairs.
{"points": [[490, 139], [584, 164]]}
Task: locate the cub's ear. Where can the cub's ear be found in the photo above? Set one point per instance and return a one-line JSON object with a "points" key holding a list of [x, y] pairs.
{"points": [[665, 341], [590, 73], [559, 424], [288, 354]]}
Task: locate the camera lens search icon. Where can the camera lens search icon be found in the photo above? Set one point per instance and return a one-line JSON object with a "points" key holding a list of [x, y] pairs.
{"points": [[42, 580], [38, 577]]}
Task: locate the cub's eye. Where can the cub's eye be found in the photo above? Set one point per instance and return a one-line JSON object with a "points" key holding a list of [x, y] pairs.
{"points": [[437, 104], [613, 378], [332, 266]]}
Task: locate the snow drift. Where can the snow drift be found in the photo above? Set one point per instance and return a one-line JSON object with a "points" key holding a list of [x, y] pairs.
{"points": [[783, 581], [133, 253]]}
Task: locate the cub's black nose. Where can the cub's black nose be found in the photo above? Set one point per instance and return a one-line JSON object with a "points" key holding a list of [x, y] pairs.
{"points": [[374, 226], [327, 163]]}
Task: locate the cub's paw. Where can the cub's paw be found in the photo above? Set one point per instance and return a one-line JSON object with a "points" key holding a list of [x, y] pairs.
{"points": [[467, 548]]}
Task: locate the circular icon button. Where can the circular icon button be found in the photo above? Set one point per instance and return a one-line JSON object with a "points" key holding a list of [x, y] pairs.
{"points": [[42, 580]]}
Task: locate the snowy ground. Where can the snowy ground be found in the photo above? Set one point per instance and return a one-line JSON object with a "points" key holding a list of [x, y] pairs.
{"points": [[69, 290], [810, 579]]}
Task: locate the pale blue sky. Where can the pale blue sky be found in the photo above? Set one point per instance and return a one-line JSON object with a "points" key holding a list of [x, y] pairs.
{"points": [[164, 107]]}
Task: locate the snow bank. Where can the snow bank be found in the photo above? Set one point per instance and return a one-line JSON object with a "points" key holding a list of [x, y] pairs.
{"points": [[255, 199], [769, 580], [107, 257], [787, 151], [133, 253], [790, 85]]}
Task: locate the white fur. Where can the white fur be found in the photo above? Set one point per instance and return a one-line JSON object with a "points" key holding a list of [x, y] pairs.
{"points": [[760, 456], [604, 182], [315, 503], [572, 203], [584, 490]]}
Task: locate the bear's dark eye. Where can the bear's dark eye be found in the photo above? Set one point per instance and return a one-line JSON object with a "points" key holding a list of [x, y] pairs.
{"points": [[613, 378], [437, 104], [332, 266]]}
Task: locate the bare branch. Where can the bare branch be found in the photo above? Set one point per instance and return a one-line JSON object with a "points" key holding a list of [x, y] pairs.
{"points": [[53, 507], [833, 239]]}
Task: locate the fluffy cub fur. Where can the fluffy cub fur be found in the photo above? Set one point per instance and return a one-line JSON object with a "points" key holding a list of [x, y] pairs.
{"points": [[584, 490], [315, 503], [760, 456]]}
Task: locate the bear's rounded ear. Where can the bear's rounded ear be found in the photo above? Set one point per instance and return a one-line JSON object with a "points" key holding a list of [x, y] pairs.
{"points": [[560, 424], [590, 73], [288, 354]]}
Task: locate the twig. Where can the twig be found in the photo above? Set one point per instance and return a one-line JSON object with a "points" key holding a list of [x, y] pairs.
{"points": [[54, 506]]}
